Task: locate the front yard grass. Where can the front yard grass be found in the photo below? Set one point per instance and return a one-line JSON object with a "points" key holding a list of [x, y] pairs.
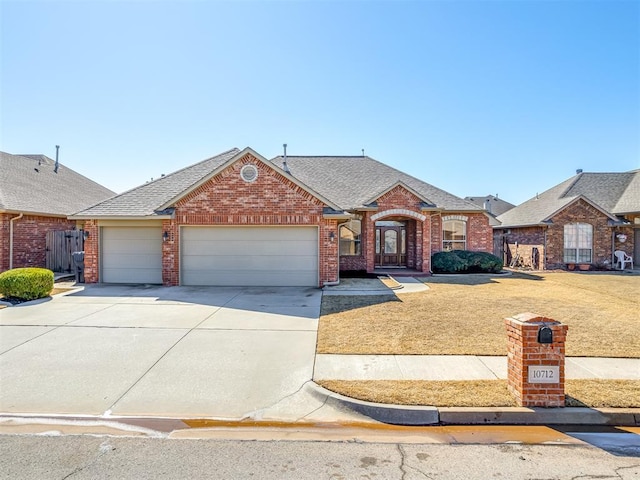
{"points": [[464, 315]]}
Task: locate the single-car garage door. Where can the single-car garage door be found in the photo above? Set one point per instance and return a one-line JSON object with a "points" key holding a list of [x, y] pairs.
{"points": [[249, 256], [131, 255]]}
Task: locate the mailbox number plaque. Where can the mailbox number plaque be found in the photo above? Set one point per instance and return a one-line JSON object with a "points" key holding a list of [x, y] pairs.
{"points": [[544, 374]]}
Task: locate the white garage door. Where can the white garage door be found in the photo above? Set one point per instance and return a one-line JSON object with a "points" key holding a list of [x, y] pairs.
{"points": [[131, 255], [250, 256]]}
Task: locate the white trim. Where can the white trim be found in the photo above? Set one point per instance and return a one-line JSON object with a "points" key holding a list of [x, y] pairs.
{"points": [[399, 211]]}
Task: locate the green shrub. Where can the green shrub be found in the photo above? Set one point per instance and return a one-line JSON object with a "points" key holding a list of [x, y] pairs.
{"points": [[26, 283], [465, 261]]}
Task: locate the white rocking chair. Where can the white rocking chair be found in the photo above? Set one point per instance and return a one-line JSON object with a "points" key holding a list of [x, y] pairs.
{"points": [[622, 259]]}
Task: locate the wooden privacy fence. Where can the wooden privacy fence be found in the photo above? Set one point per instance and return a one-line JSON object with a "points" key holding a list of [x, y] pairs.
{"points": [[60, 246]]}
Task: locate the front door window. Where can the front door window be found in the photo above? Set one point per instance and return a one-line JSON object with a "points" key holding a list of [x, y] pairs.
{"points": [[391, 246]]}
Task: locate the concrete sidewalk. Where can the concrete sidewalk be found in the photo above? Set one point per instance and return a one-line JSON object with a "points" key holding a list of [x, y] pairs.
{"points": [[458, 367]]}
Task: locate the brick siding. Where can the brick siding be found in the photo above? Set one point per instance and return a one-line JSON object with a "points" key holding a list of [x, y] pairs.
{"points": [[29, 239], [582, 212], [273, 200]]}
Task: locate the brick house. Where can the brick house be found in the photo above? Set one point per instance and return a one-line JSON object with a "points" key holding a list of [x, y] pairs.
{"points": [[240, 219], [36, 197], [581, 221]]}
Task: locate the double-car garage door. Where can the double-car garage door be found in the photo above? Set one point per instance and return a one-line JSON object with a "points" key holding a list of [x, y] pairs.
{"points": [[234, 256], [253, 256]]}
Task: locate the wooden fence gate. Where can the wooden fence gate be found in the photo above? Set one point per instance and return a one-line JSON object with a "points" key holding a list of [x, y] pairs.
{"points": [[60, 246]]}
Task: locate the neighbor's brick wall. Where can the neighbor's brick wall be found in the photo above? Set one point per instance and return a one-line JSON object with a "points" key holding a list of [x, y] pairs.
{"points": [[523, 350], [581, 212], [272, 199], [522, 241], [29, 239]]}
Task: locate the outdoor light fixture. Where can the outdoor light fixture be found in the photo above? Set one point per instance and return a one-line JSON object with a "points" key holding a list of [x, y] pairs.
{"points": [[165, 236], [85, 234], [332, 236]]}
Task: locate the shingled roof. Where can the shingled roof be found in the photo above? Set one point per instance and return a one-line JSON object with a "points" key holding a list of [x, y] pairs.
{"points": [[345, 182], [29, 184], [494, 205], [351, 182], [146, 199], [614, 193]]}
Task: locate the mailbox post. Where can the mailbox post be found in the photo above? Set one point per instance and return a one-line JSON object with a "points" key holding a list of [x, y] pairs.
{"points": [[535, 360]]}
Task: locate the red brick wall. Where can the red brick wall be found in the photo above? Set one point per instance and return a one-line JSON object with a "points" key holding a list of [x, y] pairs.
{"points": [[4, 241], [357, 262], [29, 239], [524, 351], [272, 199], [479, 232], [91, 252], [582, 212]]}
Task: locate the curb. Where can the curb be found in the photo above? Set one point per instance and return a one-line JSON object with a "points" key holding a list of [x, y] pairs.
{"points": [[392, 414], [415, 415]]}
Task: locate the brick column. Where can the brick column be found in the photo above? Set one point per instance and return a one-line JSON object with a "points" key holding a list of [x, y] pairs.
{"points": [[535, 374]]}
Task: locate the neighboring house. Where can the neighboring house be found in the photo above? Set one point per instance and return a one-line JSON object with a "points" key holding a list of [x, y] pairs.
{"points": [[36, 196], [494, 205], [583, 220], [240, 219]]}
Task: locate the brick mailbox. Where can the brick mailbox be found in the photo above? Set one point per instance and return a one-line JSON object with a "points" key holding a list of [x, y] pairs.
{"points": [[535, 360]]}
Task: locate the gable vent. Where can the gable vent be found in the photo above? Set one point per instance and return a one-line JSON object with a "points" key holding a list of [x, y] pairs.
{"points": [[249, 173]]}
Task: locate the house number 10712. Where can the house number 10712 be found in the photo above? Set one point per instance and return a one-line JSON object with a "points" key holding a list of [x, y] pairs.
{"points": [[544, 374]]}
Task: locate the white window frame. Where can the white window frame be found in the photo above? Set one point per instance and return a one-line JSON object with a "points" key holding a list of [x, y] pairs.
{"points": [[578, 243], [457, 244], [353, 244]]}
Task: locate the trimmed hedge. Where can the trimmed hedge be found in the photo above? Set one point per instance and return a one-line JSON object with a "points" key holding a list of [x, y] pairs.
{"points": [[465, 261], [26, 283]]}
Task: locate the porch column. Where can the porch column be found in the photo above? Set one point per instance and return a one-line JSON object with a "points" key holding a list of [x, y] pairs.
{"points": [[370, 239], [425, 245]]}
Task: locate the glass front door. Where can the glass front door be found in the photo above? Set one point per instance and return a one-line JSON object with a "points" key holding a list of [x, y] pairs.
{"points": [[391, 246]]}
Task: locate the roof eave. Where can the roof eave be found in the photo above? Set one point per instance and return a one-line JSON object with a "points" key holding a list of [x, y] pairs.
{"points": [[37, 214], [120, 217]]}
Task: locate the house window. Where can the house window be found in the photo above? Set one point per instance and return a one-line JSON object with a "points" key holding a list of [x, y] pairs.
{"points": [[578, 242], [350, 233], [454, 235]]}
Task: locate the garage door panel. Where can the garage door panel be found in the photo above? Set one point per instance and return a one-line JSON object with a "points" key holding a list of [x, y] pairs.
{"points": [[255, 256], [243, 262], [250, 279], [131, 255], [232, 247]]}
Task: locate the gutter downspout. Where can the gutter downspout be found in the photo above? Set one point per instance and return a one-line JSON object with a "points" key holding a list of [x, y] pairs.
{"points": [[11, 220]]}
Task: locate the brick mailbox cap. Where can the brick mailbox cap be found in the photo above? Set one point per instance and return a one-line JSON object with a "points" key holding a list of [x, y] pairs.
{"points": [[529, 317]]}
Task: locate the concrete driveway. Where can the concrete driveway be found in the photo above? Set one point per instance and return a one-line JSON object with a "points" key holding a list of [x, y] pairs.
{"points": [[183, 352]]}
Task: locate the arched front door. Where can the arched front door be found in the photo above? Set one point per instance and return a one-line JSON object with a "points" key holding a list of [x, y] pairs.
{"points": [[391, 244]]}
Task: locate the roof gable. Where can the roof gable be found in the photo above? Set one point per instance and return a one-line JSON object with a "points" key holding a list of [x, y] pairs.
{"points": [[352, 181], [401, 185], [239, 156], [604, 191], [31, 184]]}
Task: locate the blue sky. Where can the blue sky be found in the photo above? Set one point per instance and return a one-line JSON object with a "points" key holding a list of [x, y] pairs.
{"points": [[476, 98]]}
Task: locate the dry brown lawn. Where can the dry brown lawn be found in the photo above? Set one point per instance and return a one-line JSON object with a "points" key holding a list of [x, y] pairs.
{"points": [[483, 393], [464, 315]]}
